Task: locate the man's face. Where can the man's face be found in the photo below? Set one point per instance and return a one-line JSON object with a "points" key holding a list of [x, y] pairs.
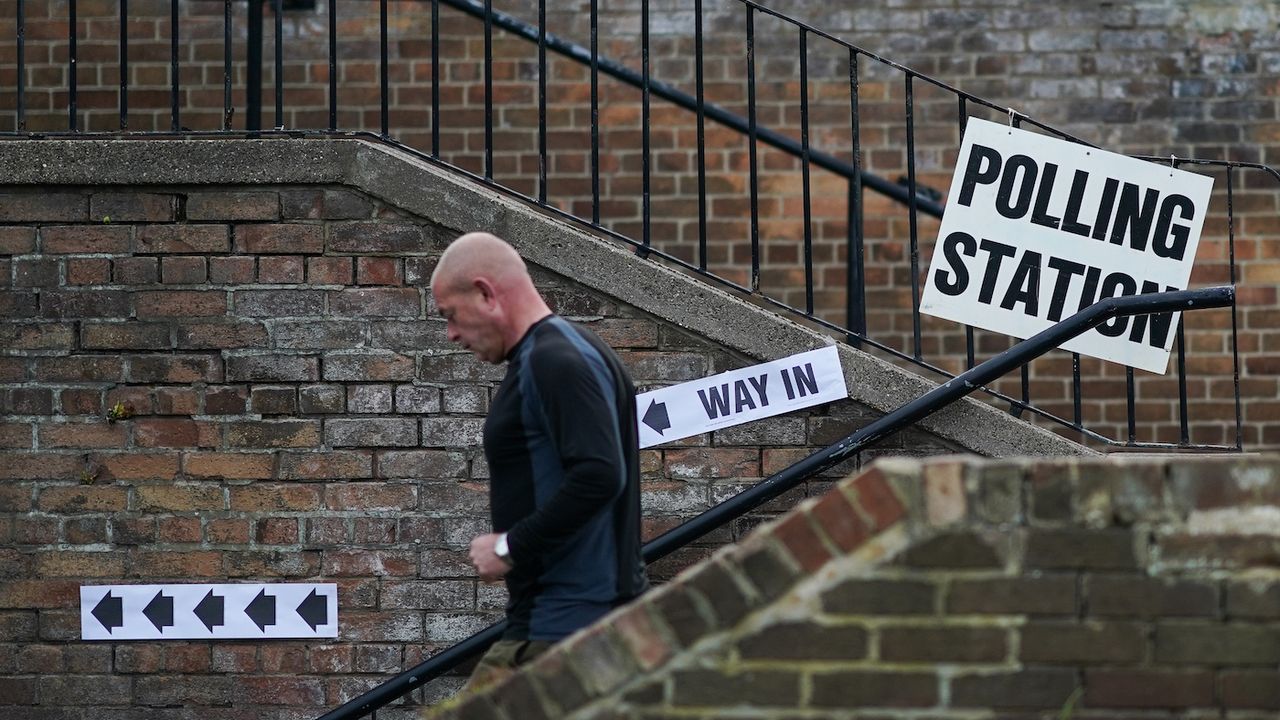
{"points": [[472, 321]]}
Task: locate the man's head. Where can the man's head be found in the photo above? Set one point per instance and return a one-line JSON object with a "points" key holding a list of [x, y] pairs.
{"points": [[483, 290]]}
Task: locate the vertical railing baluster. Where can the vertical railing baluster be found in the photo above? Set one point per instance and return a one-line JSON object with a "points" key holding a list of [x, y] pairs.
{"points": [[384, 84], [1077, 394], [542, 101], [1129, 401], [253, 69], [855, 279], [751, 148], [645, 169], [174, 122], [435, 78], [227, 108], [22, 66], [124, 64], [488, 89], [804, 171], [702, 135], [911, 216], [595, 112], [279, 9], [333, 65], [1235, 350], [71, 69], [1184, 424]]}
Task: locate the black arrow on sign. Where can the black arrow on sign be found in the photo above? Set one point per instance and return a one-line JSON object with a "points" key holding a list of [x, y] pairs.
{"points": [[656, 416], [211, 610], [315, 610], [110, 611], [160, 611], [262, 611]]}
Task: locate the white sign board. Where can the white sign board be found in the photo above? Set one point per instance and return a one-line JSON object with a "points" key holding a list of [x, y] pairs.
{"points": [[739, 396], [208, 612], [1037, 229]]}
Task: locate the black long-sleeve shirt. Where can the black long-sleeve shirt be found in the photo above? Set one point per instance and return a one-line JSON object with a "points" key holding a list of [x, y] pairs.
{"points": [[562, 447]]}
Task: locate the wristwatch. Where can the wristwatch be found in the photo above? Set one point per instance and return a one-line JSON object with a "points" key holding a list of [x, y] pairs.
{"points": [[502, 550]]}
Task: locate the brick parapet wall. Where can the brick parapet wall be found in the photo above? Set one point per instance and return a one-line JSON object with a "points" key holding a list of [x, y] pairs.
{"points": [[247, 383], [1116, 588], [1155, 78]]}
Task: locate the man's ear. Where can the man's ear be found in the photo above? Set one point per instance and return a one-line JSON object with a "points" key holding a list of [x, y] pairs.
{"points": [[488, 294]]}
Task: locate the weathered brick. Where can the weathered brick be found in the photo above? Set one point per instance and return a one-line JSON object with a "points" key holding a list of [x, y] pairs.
{"points": [[421, 464], [43, 207], [18, 435], [137, 465], [873, 689], [227, 531], [371, 496], [39, 466], [283, 690], [378, 237], [352, 367], [1088, 642], [1117, 688], [1216, 644], [273, 400], [371, 432], [232, 400], [184, 497], [17, 240], [82, 368], [82, 499], [174, 368], [276, 531], [232, 466], [28, 401], [711, 463], [465, 400], [1084, 549], [322, 399], [713, 688], [1046, 595], [881, 597], [1126, 596], [273, 368], [184, 239], [281, 239], [82, 435], [177, 401], [41, 272], [174, 432], [233, 205], [461, 367], [379, 271], [81, 401], [1253, 600], [281, 270], [375, 302], [87, 271], [268, 497], [181, 690], [39, 594], [279, 303], [329, 271], [85, 304], [369, 563], [965, 549], [451, 432], [230, 334], [274, 434], [270, 563], [369, 399], [180, 303], [805, 642], [135, 271], [38, 336], [108, 690], [107, 207], [125, 336], [86, 239], [72, 563], [319, 334], [1251, 689], [233, 270], [1029, 689], [85, 531], [417, 400]]}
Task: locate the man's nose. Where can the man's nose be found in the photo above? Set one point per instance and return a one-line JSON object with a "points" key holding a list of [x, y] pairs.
{"points": [[451, 333]]}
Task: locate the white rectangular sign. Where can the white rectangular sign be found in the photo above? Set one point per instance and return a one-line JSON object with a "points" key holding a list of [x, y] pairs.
{"points": [[1037, 229], [739, 396], [208, 612]]}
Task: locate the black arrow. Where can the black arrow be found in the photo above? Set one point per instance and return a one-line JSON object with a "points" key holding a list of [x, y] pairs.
{"points": [[110, 611], [160, 611], [315, 609], [211, 610], [656, 416], [262, 611]]}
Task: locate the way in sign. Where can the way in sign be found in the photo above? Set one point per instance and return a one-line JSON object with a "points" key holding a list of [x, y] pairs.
{"points": [[198, 611], [740, 396]]}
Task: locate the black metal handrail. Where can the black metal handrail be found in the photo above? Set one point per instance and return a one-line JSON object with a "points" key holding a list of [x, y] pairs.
{"points": [[773, 486]]}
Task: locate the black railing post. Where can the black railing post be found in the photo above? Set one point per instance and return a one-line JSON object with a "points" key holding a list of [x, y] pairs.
{"points": [[253, 69]]}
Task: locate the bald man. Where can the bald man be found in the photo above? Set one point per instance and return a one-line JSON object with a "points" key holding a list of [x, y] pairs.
{"points": [[561, 442]]}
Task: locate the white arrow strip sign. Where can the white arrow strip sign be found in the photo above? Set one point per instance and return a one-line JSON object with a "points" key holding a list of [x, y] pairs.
{"points": [[208, 612], [739, 396]]}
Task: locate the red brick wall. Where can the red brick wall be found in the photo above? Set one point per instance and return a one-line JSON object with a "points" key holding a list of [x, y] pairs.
{"points": [[1085, 589], [1147, 78], [221, 384]]}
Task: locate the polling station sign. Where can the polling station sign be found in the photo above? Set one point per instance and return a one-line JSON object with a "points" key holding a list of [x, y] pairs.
{"points": [[1037, 229], [739, 396]]}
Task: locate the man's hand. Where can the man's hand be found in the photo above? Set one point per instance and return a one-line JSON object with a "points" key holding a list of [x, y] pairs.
{"points": [[486, 562]]}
